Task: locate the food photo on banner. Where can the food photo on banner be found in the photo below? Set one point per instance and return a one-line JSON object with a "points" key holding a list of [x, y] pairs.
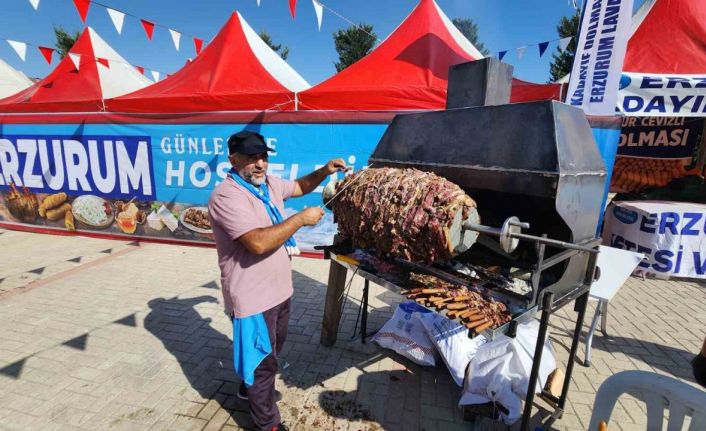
{"points": [[153, 181]]}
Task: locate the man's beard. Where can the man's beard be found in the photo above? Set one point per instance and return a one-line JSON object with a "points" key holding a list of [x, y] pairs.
{"points": [[249, 177]]}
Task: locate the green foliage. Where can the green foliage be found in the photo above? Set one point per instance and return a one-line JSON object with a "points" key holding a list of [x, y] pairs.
{"points": [[470, 30], [352, 44], [283, 51], [64, 40], [562, 61]]}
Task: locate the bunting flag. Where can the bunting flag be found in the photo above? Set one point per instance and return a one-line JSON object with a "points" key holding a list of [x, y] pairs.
{"points": [[501, 54], [75, 59], [293, 8], [82, 8], [198, 44], [176, 37], [543, 47], [155, 75], [319, 9], [140, 69], [35, 4], [20, 48], [46, 52], [104, 62], [521, 52], [564, 43], [118, 18], [149, 28]]}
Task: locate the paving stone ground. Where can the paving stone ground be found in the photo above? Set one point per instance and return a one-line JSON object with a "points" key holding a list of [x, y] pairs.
{"points": [[110, 335]]}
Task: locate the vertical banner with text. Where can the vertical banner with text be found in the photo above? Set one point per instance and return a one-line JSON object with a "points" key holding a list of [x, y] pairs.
{"points": [[595, 76]]}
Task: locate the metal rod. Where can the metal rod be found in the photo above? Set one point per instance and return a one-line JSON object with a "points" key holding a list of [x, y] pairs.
{"points": [[341, 191], [497, 232], [549, 241], [364, 318], [581, 303], [536, 361]]}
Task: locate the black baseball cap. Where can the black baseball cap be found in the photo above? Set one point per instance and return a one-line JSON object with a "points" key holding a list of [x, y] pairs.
{"points": [[247, 142]]}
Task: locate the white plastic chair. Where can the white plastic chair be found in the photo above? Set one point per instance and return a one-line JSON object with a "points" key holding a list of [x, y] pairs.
{"points": [[615, 266], [658, 392]]}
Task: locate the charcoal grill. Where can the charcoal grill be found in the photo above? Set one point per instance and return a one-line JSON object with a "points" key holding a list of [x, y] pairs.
{"points": [[538, 179]]}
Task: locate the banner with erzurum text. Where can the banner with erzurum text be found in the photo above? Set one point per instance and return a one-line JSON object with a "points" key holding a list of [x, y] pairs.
{"points": [[595, 76], [153, 181]]}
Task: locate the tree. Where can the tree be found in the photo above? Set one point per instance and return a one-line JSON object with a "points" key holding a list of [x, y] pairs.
{"points": [[562, 61], [352, 44], [470, 29], [64, 40], [283, 51]]}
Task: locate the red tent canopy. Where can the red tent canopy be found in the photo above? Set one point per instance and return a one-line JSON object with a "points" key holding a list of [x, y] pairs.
{"points": [[67, 88], [237, 71], [409, 70], [669, 37]]}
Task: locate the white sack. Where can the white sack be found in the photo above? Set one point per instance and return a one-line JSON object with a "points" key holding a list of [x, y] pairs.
{"points": [[405, 334]]}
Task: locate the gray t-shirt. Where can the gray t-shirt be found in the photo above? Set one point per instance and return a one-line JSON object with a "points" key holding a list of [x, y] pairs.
{"points": [[251, 283]]}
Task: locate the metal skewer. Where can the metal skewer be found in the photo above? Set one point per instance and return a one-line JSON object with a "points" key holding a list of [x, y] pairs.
{"points": [[325, 204]]}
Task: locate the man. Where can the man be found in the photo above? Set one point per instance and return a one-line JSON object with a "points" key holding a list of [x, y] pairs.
{"points": [[255, 244]]}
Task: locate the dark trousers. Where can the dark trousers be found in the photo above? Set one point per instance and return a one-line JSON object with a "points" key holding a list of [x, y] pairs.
{"points": [[263, 404]]}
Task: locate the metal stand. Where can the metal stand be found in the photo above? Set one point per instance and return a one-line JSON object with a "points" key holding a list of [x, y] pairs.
{"points": [[363, 311], [580, 307]]}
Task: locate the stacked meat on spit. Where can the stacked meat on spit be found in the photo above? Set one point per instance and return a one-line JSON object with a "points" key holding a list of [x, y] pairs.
{"points": [[476, 311], [404, 212]]}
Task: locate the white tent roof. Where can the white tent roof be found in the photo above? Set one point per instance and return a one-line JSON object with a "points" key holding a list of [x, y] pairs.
{"points": [[12, 80]]}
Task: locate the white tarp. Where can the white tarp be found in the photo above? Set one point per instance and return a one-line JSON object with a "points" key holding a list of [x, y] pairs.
{"points": [[605, 29]]}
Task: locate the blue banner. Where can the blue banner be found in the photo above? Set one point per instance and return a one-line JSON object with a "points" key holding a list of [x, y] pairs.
{"points": [[175, 166]]}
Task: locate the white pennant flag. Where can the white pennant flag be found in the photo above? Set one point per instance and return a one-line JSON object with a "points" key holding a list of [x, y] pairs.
{"points": [[521, 52], [118, 18], [155, 75], [35, 4], [563, 43], [20, 48], [75, 59], [319, 9], [176, 37]]}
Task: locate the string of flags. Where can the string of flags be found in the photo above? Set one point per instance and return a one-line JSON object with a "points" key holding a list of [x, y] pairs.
{"points": [[117, 17], [47, 53], [563, 43]]}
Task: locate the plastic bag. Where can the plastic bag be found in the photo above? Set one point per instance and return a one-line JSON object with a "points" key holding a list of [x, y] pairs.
{"points": [[500, 371], [405, 334], [452, 343]]}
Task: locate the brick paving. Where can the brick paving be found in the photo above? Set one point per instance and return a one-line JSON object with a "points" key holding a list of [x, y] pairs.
{"points": [[110, 335]]}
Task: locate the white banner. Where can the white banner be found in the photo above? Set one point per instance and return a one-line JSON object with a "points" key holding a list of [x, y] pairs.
{"points": [[654, 95], [605, 30], [672, 235]]}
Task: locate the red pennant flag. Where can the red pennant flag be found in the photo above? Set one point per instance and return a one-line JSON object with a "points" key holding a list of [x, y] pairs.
{"points": [[103, 61], [149, 28], [140, 69], [293, 7], [198, 43], [47, 53], [82, 8]]}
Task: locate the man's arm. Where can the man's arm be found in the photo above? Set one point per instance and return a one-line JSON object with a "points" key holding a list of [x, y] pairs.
{"points": [[308, 183], [267, 239]]}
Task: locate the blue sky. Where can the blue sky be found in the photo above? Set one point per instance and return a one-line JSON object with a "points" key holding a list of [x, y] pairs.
{"points": [[503, 24]]}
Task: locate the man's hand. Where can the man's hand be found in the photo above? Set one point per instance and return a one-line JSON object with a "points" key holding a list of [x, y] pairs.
{"points": [[308, 183], [311, 216], [336, 165]]}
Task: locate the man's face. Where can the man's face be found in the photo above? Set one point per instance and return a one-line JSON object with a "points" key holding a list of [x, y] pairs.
{"points": [[251, 167]]}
